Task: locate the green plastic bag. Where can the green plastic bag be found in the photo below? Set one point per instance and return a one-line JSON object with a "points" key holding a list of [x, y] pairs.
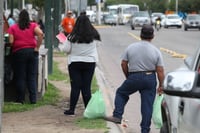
{"points": [[96, 106], [156, 116]]}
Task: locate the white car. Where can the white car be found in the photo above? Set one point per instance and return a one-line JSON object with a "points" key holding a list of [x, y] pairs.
{"points": [[172, 20], [181, 103]]}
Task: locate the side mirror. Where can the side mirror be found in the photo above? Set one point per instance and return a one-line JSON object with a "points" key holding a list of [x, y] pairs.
{"points": [[182, 83]]}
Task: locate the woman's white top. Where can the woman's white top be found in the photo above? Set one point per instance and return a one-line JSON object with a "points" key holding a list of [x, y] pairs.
{"points": [[83, 52]]}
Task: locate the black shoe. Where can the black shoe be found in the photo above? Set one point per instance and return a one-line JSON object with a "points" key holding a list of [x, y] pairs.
{"points": [[69, 112], [113, 119]]}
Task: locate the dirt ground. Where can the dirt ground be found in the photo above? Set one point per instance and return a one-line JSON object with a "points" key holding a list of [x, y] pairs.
{"points": [[47, 119]]}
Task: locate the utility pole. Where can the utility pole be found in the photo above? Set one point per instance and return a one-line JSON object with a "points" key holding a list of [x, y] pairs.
{"points": [[1, 62], [49, 34], [176, 6], [57, 19], [99, 11]]}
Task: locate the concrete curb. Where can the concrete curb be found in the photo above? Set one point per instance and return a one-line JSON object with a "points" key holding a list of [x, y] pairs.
{"points": [[114, 128]]}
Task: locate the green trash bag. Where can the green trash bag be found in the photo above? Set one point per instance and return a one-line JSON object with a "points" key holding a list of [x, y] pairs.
{"points": [[156, 116], [96, 106]]}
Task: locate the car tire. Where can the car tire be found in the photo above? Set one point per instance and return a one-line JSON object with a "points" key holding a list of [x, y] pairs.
{"points": [[185, 29], [164, 128]]}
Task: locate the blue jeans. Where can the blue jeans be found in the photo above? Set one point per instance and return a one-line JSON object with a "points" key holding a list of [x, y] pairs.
{"points": [[146, 85], [25, 65], [81, 74]]}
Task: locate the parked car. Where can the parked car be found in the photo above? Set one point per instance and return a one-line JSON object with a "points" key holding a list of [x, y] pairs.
{"points": [[110, 19], [181, 103], [139, 19], [192, 21], [155, 15], [172, 20]]}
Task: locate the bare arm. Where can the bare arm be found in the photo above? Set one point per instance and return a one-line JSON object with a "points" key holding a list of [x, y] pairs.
{"points": [[40, 36], [124, 65], [160, 74], [11, 39]]}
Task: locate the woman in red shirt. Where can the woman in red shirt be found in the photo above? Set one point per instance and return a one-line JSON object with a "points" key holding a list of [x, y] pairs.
{"points": [[25, 46]]}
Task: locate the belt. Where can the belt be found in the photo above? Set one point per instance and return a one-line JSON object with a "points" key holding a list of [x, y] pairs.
{"points": [[145, 72]]}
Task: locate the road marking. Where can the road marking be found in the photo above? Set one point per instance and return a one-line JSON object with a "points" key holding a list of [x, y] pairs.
{"points": [[136, 37], [172, 53]]}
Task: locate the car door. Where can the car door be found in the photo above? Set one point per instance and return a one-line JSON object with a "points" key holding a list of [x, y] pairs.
{"points": [[189, 115], [189, 108]]}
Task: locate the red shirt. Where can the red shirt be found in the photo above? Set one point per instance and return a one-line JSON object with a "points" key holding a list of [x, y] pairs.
{"points": [[23, 38]]}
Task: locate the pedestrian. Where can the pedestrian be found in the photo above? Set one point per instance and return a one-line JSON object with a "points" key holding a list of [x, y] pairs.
{"points": [[11, 20], [140, 63], [82, 61], [25, 46], [68, 23]]}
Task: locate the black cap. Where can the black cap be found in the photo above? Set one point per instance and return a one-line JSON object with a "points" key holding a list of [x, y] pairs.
{"points": [[147, 32]]}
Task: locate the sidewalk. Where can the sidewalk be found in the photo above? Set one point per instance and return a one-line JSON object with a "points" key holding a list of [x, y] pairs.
{"points": [[50, 118]]}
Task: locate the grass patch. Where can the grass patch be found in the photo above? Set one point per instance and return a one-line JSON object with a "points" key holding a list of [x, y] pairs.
{"points": [[57, 75], [50, 97], [91, 123]]}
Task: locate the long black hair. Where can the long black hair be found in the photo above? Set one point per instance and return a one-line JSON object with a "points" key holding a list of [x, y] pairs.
{"points": [[83, 31], [24, 20]]}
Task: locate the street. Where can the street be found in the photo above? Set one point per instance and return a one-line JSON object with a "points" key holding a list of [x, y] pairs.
{"points": [[115, 39]]}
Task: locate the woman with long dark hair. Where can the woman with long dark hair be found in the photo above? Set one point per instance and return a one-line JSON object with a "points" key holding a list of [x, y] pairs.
{"points": [[25, 38], [82, 61]]}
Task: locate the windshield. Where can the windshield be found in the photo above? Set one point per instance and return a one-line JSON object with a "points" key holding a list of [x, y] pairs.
{"points": [[173, 17], [113, 11], [196, 17], [141, 14]]}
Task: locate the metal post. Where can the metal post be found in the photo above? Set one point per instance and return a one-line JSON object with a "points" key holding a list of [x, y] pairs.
{"points": [[176, 6], [1, 62], [23, 4], [48, 34], [99, 11], [11, 7], [57, 19], [79, 8]]}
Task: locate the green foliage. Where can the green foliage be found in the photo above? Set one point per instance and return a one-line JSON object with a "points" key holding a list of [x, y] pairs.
{"points": [[161, 5], [57, 75], [189, 5]]}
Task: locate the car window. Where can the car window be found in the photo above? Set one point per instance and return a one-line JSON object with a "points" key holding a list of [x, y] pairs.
{"points": [[141, 14], [173, 17], [197, 17]]}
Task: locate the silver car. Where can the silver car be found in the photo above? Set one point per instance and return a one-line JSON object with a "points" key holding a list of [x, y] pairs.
{"points": [[181, 103], [192, 21], [139, 19], [110, 19]]}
